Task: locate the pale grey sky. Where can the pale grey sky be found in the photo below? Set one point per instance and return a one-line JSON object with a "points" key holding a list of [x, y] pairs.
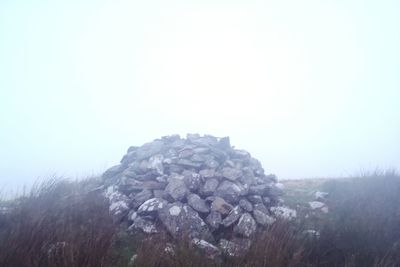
{"points": [[311, 88]]}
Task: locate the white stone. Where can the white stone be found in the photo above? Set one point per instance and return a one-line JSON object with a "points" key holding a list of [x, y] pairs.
{"points": [[174, 211], [316, 204]]}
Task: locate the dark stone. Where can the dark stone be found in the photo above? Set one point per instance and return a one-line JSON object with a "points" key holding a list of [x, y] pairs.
{"points": [[141, 197], [180, 219], [246, 205], [233, 216], [229, 191], [231, 173], [176, 189], [197, 203], [209, 187], [246, 226], [214, 219]]}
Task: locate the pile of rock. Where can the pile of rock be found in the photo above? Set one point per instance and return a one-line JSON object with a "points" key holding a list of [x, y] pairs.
{"points": [[201, 187]]}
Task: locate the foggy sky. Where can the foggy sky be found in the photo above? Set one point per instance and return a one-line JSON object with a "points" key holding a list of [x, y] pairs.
{"points": [[310, 88]]}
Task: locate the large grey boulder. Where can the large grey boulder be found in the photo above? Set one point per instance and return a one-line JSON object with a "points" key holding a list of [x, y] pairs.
{"points": [[180, 220], [197, 203]]}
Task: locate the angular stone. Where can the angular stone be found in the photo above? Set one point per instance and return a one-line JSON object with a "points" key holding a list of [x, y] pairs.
{"points": [[209, 249], [209, 187], [211, 163], [156, 163], [140, 198], [119, 203], [316, 205], [235, 248], [221, 206], [207, 173], [263, 218], [192, 180], [189, 163], [229, 191], [186, 153], [224, 143], [233, 216], [146, 225], [151, 206], [231, 173], [246, 225], [198, 158], [180, 220], [246, 205], [284, 212], [197, 203], [214, 219], [258, 189], [255, 199], [176, 189], [261, 207]]}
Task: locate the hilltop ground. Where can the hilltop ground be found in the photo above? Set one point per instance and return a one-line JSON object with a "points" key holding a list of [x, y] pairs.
{"points": [[63, 223]]}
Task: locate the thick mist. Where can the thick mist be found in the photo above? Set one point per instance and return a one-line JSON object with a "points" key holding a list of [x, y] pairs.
{"points": [[310, 88]]}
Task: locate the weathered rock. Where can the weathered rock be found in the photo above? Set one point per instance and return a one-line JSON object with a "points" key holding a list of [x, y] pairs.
{"points": [[214, 219], [283, 212], [192, 181], [236, 247], [156, 163], [151, 206], [255, 199], [221, 206], [197, 203], [246, 225], [229, 191], [258, 189], [233, 216], [261, 207], [263, 218], [209, 187], [140, 198], [209, 249], [180, 220], [145, 225], [316, 205], [211, 163], [231, 173], [246, 205], [119, 206], [176, 189]]}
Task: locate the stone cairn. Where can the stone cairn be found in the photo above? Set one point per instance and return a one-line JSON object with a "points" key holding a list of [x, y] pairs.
{"points": [[199, 187]]}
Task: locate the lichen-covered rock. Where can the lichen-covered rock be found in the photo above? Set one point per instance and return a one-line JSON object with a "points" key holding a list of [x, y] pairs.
{"points": [[176, 189], [246, 226], [263, 218], [151, 206], [180, 220], [197, 203], [229, 191], [233, 216], [214, 219]]}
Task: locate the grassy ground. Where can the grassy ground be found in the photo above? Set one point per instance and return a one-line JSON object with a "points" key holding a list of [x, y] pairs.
{"points": [[63, 223]]}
